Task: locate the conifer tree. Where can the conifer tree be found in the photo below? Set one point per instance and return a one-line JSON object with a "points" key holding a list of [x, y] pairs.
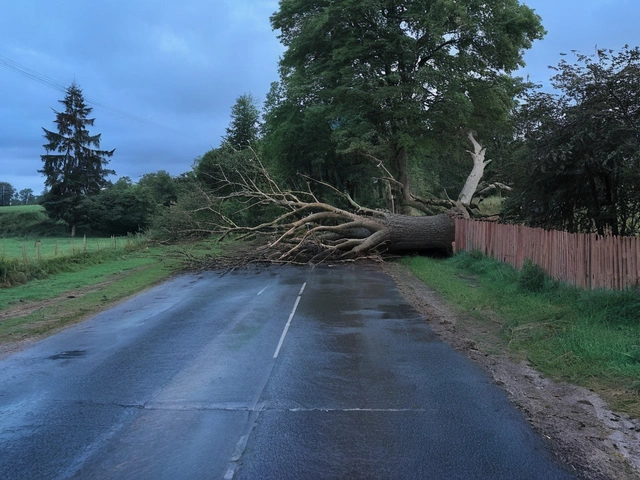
{"points": [[244, 128], [74, 165]]}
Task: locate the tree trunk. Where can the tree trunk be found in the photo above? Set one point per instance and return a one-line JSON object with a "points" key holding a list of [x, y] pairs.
{"points": [[471, 185], [73, 231], [411, 234]]}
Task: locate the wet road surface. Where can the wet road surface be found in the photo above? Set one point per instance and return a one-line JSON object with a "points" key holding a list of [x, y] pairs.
{"points": [[287, 373]]}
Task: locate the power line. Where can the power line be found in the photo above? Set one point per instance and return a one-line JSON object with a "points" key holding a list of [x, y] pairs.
{"points": [[29, 73], [34, 75]]}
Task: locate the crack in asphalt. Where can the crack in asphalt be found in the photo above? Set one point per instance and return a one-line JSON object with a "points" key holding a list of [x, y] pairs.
{"points": [[197, 407]]}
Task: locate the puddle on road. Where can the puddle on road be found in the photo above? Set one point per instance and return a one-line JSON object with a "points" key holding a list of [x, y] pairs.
{"points": [[68, 355]]}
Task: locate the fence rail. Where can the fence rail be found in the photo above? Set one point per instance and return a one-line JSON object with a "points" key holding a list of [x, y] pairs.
{"points": [[584, 260]]}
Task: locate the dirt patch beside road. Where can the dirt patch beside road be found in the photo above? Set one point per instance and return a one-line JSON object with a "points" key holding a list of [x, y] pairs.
{"points": [[583, 431]]}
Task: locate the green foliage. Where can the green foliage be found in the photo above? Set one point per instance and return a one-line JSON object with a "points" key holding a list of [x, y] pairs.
{"points": [[118, 209], [25, 197], [578, 168], [589, 337], [184, 220], [162, 186], [220, 172], [6, 194], [613, 308], [73, 169], [379, 83], [243, 132], [221, 169], [532, 277]]}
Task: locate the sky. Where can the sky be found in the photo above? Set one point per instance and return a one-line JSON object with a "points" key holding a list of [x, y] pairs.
{"points": [[162, 76]]}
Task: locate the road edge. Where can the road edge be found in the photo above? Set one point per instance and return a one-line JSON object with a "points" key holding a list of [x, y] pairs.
{"points": [[597, 443]]}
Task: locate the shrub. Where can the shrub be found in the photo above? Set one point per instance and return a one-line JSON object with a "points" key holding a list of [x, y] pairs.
{"points": [[532, 277]]}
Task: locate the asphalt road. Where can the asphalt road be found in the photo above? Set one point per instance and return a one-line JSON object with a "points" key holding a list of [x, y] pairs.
{"points": [[288, 373]]}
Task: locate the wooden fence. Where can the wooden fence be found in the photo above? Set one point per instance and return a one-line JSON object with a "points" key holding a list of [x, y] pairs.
{"points": [[584, 260]]}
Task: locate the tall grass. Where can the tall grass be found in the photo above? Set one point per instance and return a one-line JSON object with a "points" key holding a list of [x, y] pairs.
{"points": [[588, 337]]}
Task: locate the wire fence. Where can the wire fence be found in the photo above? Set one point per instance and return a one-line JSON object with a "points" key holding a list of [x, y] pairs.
{"points": [[588, 261], [49, 248]]}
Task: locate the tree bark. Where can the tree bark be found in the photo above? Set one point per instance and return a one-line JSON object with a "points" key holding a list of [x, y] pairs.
{"points": [[479, 164], [411, 234]]}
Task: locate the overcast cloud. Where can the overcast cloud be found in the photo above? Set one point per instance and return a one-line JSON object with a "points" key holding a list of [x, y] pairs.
{"points": [[178, 67]]}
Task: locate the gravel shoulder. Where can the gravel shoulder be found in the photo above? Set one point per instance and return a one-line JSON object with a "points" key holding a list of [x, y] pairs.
{"points": [[597, 442]]}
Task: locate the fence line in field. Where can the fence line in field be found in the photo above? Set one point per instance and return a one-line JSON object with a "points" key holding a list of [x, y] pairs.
{"points": [[584, 260], [27, 251]]}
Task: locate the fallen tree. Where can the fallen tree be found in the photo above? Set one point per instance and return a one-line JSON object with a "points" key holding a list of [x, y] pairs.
{"points": [[303, 229]]}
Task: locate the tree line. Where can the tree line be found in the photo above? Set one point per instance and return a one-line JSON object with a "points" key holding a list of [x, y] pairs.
{"points": [[386, 106], [11, 196]]}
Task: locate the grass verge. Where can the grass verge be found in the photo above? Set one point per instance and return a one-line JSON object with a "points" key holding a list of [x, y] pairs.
{"points": [[91, 284], [587, 338]]}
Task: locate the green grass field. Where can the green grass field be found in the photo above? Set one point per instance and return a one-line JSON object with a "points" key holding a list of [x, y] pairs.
{"points": [[17, 248], [21, 208]]}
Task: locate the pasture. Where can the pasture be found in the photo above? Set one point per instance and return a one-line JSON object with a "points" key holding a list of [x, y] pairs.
{"points": [[45, 248], [21, 209]]}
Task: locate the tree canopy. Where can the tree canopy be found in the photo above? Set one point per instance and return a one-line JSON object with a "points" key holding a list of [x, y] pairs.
{"points": [[26, 196], [74, 166], [6, 194], [244, 129], [118, 209], [579, 168], [381, 81]]}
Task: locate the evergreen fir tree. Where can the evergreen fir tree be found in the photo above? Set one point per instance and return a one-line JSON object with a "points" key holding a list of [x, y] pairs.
{"points": [[74, 165], [244, 129]]}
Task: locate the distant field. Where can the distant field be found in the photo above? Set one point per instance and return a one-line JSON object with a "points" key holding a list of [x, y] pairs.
{"points": [[22, 208], [56, 247], [28, 221]]}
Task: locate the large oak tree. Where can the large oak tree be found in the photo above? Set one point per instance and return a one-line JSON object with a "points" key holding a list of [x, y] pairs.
{"points": [[382, 81]]}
